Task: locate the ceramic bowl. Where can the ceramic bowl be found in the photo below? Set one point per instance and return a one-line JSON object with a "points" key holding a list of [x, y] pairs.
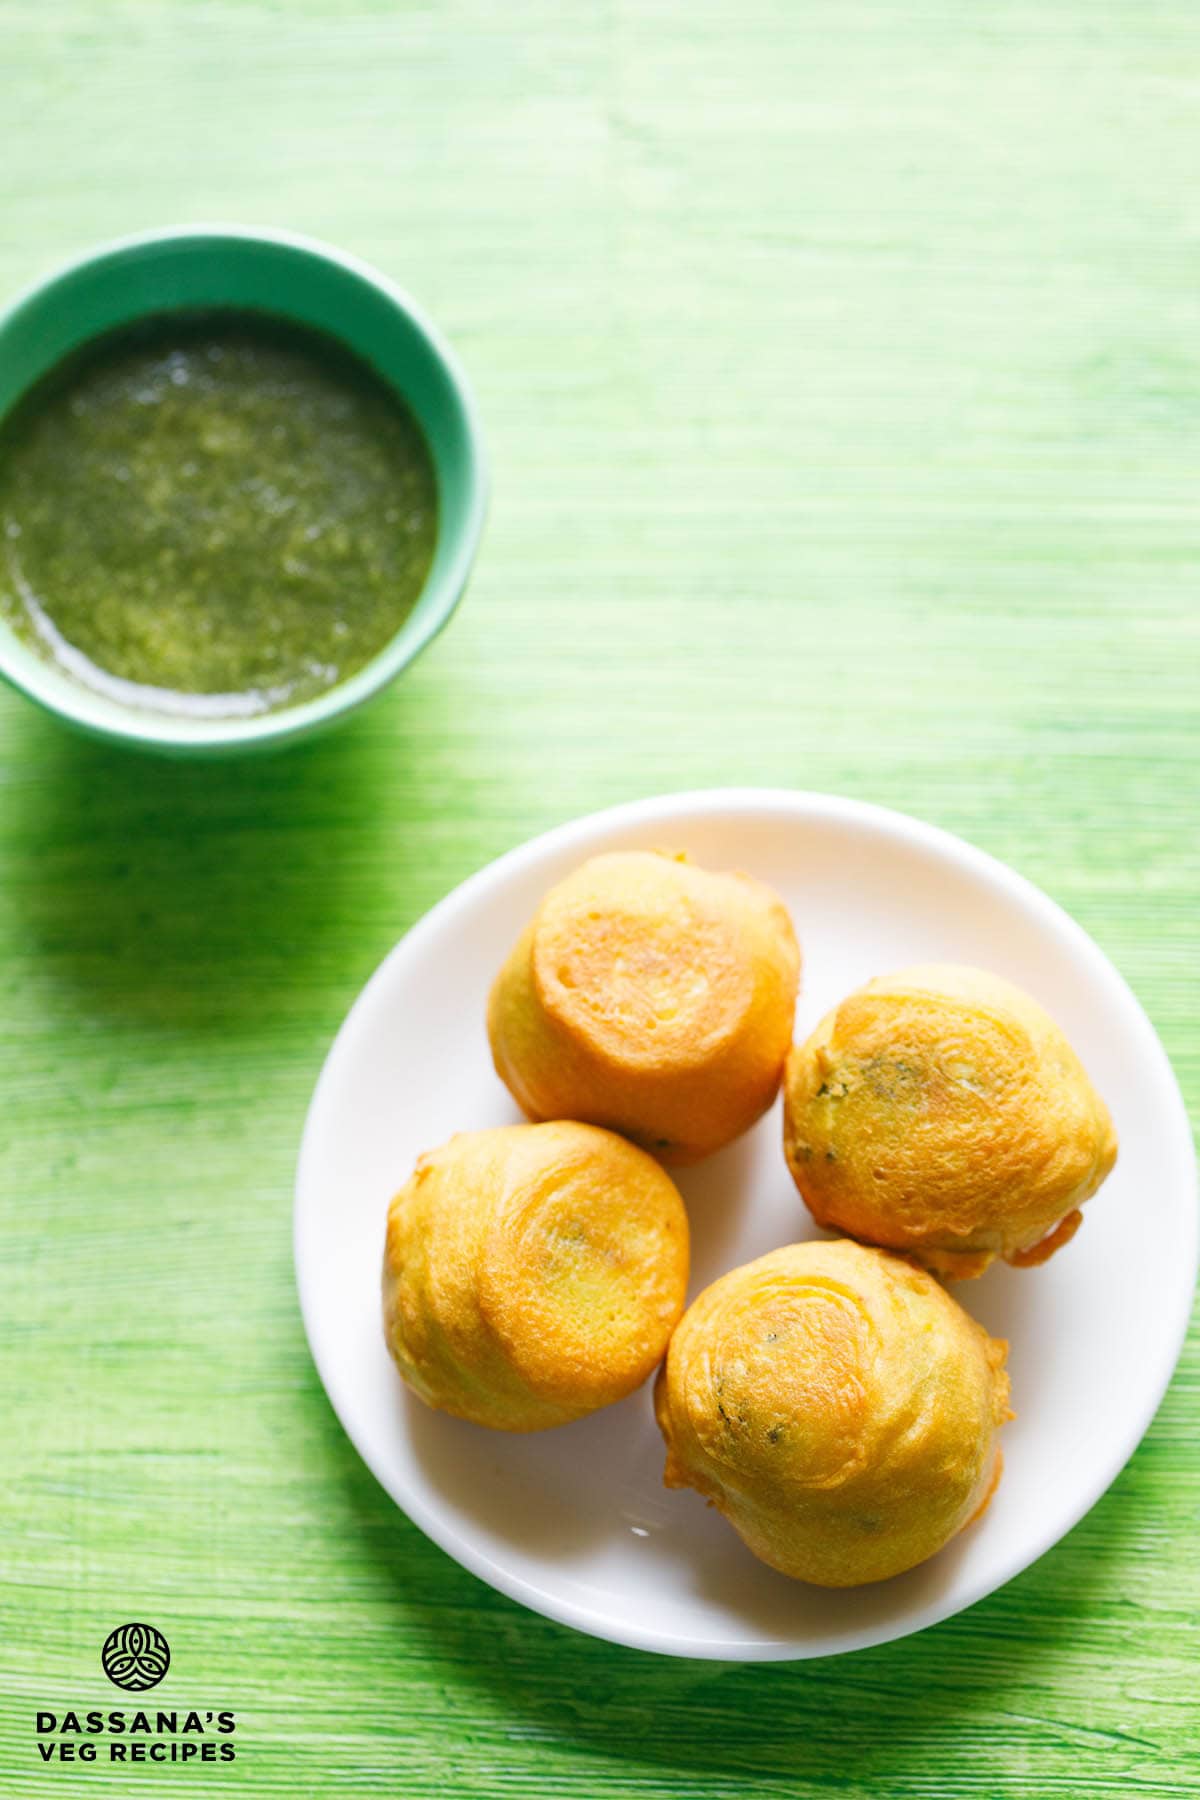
{"points": [[296, 279]]}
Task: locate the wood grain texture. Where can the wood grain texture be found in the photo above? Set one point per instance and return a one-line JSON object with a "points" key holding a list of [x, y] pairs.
{"points": [[840, 367]]}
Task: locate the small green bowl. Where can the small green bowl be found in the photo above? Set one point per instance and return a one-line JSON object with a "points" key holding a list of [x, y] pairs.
{"points": [[293, 278]]}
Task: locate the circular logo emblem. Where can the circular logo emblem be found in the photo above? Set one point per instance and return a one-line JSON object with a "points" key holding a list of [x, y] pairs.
{"points": [[135, 1657]]}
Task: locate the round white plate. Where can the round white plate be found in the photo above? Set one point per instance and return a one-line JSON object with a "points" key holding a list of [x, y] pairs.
{"points": [[576, 1522]]}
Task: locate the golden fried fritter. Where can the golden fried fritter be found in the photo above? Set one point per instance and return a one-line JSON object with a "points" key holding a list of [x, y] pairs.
{"points": [[652, 997], [838, 1407], [532, 1273], [940, 1111]]}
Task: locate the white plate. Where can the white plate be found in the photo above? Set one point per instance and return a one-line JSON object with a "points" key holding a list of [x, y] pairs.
{"points": [[576, 1522]]}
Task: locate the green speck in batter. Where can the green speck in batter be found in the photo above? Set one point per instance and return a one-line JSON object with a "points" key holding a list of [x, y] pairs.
{"points": [[215, 514]]}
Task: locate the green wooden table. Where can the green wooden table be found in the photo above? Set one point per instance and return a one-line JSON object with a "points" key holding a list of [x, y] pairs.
{"points": [[840, 361]]}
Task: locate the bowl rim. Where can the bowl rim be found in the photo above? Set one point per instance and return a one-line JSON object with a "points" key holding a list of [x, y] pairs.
{"points": [[161, 731]]}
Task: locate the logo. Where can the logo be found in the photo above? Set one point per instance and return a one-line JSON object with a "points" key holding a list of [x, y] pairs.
{"points": [[135, 1657]]}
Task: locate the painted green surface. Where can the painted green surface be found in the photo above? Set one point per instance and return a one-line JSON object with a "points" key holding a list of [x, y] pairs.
{"points": [[841, 367], [212, 514]]}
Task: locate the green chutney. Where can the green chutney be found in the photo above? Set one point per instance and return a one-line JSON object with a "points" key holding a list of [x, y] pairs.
{"points": [[215, 514]]}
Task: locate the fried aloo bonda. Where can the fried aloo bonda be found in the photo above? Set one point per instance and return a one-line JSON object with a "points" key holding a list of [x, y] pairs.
{"points": [[838, 1407], [532, 1273], [652, 997], [940, 1111]]}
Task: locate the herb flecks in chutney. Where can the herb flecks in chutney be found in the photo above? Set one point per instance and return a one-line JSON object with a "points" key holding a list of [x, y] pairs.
{"points": [[213, 514]]}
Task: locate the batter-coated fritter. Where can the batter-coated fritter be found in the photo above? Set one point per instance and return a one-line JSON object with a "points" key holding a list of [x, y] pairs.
{"points": [[652, 997], [838, 1407], [533, 1273], [941, 1112]]}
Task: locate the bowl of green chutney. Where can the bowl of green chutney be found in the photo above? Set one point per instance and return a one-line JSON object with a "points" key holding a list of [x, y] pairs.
{"points": [[242, 484]]}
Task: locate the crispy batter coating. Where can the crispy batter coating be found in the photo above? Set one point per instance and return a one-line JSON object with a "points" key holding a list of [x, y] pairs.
{"points": [[838, 1407], [652, 997], [533, 1273], [941, 1112]]}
